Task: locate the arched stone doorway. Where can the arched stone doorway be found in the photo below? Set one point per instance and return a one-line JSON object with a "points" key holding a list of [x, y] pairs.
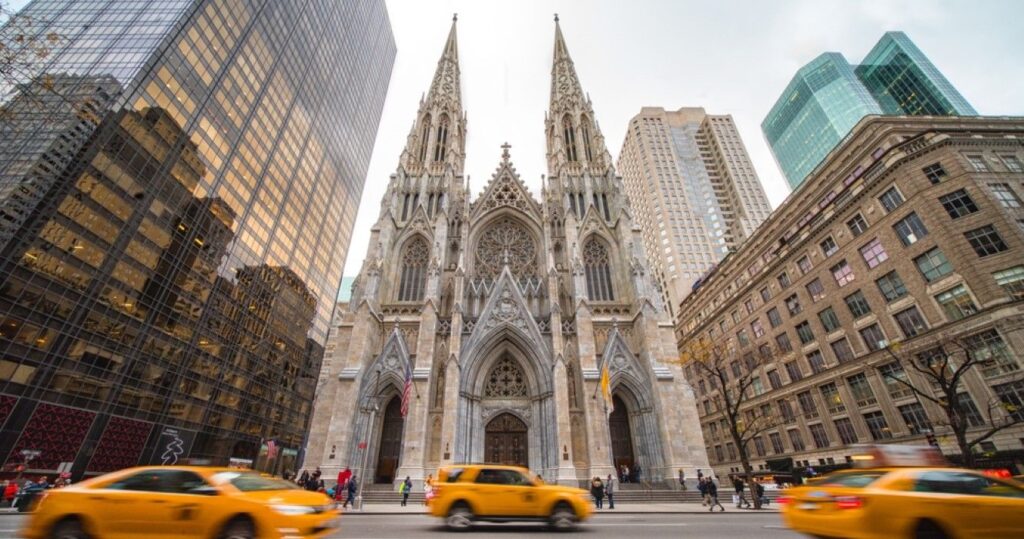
{"points": [[622, 436], [390, 445], [505, 441]]}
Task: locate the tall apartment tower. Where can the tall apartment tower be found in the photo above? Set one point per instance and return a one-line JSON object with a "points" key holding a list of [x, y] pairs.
{"points": [[695, 190], [828, 96], [175, 225]]}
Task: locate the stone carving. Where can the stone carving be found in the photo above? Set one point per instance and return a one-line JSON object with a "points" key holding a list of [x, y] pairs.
{"points": [[506, 243], [506, 381], [506, 311]]}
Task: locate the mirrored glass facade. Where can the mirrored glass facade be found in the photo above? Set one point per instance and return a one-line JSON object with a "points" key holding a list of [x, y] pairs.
{"points": [[173, 224], [828, 96]]}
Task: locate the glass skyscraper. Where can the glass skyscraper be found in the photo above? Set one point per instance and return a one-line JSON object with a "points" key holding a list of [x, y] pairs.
{"points": [[178, 185], [828, 96]]}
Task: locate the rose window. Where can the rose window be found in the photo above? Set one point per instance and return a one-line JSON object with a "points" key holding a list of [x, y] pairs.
{"points": [[506, 242]]}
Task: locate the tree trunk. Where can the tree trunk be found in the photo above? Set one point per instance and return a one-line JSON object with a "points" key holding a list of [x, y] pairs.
{"points": [[748, 472], [966, 455]]}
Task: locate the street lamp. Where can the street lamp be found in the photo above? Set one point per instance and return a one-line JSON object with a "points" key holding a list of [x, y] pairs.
{"points": [[372, 405]]}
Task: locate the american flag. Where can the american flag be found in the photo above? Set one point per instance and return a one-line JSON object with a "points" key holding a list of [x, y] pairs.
{"points": [[406, 390], [271, 449]]}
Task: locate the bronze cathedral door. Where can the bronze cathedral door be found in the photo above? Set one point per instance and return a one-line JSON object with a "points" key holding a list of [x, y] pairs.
{"points": [[622, 437], [505, 441], [390, 442]]}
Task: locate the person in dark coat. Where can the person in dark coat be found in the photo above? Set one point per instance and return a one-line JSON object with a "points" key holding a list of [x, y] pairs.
{"points": [[351, 488], [740, 486], [597, 491], [713, 494]]}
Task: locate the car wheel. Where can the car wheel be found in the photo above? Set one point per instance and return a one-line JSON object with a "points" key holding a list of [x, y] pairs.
{"points": [[68, 529], [927, 529], [460, 517], [239, 528], [563, 517]]}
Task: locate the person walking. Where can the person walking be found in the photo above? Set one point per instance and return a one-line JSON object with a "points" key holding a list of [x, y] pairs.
{"points": [[428, 489], [758, 490], [702, 487], [682, 479], [713, 496], [625, 473], [10, 489], [739, 486], [609, 490], [597, 491], [405, 489], [351, 490]]}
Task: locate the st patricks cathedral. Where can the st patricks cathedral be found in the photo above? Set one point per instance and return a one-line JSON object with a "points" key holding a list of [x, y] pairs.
{"points": [[503, 309]]}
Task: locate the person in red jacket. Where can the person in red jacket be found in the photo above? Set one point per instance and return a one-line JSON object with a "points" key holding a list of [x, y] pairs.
{"points": [[344, 477], [9, 491]]}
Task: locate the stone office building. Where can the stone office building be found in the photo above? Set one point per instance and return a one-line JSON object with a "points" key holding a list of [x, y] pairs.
{"points": [[911, 231]]}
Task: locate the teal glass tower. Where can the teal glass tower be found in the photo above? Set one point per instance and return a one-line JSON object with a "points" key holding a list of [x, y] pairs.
{"points": [[904, 81], [819, 107], [828, 96]]}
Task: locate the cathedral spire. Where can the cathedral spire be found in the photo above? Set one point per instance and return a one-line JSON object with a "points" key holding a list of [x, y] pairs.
{"points": [[447, 85]]}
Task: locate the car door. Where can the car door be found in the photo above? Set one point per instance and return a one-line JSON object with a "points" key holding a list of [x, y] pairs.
{"points": [[518, 495], [192, 503], [485, 493], [943, 496], [132, 506], [1000, 505]]}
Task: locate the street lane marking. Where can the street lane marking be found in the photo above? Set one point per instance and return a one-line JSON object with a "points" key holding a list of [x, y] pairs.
{"points": [[647, 524]]}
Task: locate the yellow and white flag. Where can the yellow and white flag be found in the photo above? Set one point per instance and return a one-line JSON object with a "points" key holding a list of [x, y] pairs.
{"points": [[606, 389]]}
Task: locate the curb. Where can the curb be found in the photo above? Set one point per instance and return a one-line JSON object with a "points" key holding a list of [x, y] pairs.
{"points": [[617, 512]]}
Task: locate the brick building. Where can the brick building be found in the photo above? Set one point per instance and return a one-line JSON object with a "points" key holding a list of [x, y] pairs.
{"points": [[911, 232]]}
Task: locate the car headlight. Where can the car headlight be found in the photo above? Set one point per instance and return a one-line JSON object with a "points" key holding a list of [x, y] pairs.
{"points": [[293, 509]]}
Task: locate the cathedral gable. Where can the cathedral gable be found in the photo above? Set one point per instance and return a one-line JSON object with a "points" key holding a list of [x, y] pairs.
{"points": [[393, 361], [505, 189], [619, 358], [505, 310]]}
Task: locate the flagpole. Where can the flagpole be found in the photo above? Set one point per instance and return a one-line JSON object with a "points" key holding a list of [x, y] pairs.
{"points": [[366, 450]]}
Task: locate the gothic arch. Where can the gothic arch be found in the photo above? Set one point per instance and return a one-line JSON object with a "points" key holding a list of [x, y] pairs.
{"points": [[414, 258], [441, 140], [424, 139], [586, 137], [597, 265], [569, 137]]}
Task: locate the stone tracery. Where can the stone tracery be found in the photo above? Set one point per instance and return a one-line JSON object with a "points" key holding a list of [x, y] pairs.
{"points": [[506, 242], [506, 380]]}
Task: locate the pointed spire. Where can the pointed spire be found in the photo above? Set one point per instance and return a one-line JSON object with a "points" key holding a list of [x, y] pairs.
{"points": [[564, 82], [447, 85]]}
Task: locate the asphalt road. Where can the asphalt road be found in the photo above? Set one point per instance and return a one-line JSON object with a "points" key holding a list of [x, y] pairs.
{"points": [[761, 526]]}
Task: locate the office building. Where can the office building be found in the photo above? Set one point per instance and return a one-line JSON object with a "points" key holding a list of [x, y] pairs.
{"points": [[167, 286], [697, 196]]}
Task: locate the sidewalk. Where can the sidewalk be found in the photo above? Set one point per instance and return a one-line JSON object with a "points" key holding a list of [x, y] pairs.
{"points": [[626, 509]]}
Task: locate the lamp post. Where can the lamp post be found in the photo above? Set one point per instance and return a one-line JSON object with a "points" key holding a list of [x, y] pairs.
{"points": [[372, 405]]}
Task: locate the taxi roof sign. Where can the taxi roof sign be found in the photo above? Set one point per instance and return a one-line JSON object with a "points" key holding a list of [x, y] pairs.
{"points": [[886, 456]]}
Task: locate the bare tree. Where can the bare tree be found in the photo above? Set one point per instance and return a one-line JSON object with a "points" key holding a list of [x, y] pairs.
{"points": [[734, 379], [26, 45], [945, 364]]}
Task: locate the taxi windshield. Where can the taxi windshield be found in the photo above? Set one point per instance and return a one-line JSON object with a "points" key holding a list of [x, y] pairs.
{"points": [[252, 482], [850, 479]]}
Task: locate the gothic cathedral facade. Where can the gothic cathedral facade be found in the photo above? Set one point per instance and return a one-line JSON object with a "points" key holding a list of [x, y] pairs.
{"points": [[503, 310]]}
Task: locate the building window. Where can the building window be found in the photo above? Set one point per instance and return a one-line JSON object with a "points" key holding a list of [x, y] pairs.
{"points": [[776, 440], [742, 337], [1005, 195], [1012, 281], [910, 229], [877, 426], [860, 388], [782, 340], [598, 271], [895, 380], [816, 361], [830, 394], [819, 435], [1012, 163], [857, 225], [765, 351], [441, 142], [816, 290], [786, 411], [757, 328], [774, 380], [413, 282], [807, 405], [569, 137], [847, 434], [957, 302], [1012, 397], [891, 286], [793, 371], [985, 241], [873, 337], [873, 253], [765, 295], [842, 273], [735, 317], [934, 172], [977, 163], [718, 453], [793, 305], [958, 204], [915, 418], [971, 412], [891, 199], [989, 348], [759, 446], [857, 304], [842, 350], [783, 280], [803, 331], [933, 265], [829, 247], [775, 319], [911, 322], [829, 320], [804, 264], [796, 440], [749, 304]]}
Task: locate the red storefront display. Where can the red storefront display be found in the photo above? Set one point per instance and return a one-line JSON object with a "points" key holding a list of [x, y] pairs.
{"points": [[120, 445], [57, 432]]}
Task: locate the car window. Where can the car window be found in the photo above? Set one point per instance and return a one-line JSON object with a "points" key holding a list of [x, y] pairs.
{"points": [[965, 483], [490, 477], [147, 481], [171, 481], [182, 482], [850, 479], [513, 477], [253, 482], [454, 474]]}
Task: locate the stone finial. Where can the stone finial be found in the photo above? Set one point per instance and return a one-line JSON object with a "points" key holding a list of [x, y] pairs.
{"points": [[505, 155]]}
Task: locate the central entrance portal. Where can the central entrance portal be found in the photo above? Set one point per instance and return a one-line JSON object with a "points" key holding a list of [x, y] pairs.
{"points": [[622, 437], [390, 442], [505, 441]]}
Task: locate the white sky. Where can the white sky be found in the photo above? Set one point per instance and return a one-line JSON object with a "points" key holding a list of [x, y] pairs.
{"points": [[730, 57]]}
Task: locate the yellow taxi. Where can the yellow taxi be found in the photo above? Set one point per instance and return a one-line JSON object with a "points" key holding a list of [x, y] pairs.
{"points": [[182, 501], [897, 492], [491, 493]]}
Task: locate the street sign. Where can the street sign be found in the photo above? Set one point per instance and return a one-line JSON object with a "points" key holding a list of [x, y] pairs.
{"points": [[30, 454]]}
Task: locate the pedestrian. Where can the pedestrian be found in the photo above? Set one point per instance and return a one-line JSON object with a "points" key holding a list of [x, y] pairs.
{"points": [[713, 496], [740, 500], [404, 490], [597, 491], [625, 473], [10, 489], [609, 490], [759, 492], [351, 488], [303, 479], [636, 474], [344, 476], [428, 489], [702, 487], [682, 479]]}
